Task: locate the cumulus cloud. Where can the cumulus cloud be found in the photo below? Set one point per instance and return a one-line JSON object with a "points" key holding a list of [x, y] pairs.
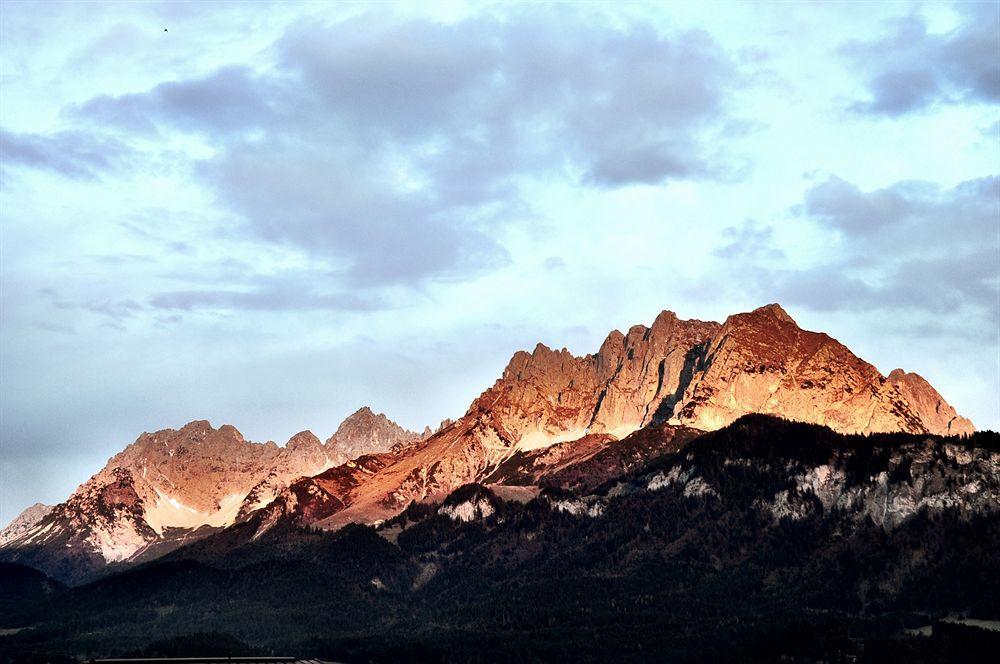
{"points": [[910, 68], [749, 241], [395, 150], [75, 154], [909, 217], [913, 246]]}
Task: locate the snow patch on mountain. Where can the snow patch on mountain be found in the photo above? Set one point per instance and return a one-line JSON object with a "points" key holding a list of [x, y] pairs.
{"points": [[539, 439], [168, 512], [24, 523], [118, 541]]}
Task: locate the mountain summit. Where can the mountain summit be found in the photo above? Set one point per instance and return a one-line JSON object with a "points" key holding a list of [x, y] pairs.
{"points": [[689, 374], [365, 432], [550, 414], [762, 362], [172, 485]]}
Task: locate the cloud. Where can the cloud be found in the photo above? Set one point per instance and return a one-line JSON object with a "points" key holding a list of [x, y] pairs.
{"points": [[75, 154], [263, 298], [395, 151], [749, 241], [301, 196], [231, 99], [910, 69], [114, 311], [913, 246], [910, 216]]}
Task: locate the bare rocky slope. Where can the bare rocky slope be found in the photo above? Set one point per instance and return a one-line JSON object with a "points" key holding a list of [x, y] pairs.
{"points": [[550, 409], [762, 362], [24, 522], [173, 485], [551, 418]]}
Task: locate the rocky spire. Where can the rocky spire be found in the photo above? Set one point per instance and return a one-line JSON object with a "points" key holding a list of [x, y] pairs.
{"points": [[365, 432]]}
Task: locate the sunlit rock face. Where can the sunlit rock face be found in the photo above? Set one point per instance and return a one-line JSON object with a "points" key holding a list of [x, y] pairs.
{"points": [[551, 419], [547, 395], [365, 432], [168, 486], [692, 374], [762, 362], [935, 412]]}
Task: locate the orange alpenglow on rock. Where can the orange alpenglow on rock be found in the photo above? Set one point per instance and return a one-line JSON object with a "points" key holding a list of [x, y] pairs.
{"points": [[935, 412], [762, 362], [692, 374], [550, 413]]}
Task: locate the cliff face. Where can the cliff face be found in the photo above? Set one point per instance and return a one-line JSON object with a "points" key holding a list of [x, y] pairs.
{"points": [[935, 412], [762, 362], [796, 471], [692, 374], [176, 484], [551, 419], [548, 396], [364, 432]]}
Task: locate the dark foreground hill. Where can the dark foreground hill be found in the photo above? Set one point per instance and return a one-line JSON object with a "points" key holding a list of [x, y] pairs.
{"points": [[764, 540]]}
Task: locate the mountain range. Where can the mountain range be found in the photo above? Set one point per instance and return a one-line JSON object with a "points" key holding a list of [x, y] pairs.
{"points": [[766, 540], [552, 419]]}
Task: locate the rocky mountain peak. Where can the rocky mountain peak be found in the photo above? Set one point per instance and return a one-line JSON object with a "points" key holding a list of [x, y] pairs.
{"points": [[773, 310], [304, 440], [365, 432], [762, 362], [665, 318], [168, 480], [548, 395], [362, 417], [938, 416], [24, 522]]}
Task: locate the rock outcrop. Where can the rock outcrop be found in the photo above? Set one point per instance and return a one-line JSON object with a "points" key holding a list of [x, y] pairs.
{"points": [[24, 522], [762, 362], [365, 432], [548, 396], [552, 419], [171, 486], [935, 412]]}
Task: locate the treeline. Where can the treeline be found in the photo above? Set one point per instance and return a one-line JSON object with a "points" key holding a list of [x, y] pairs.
{"points": [[659, 577]]}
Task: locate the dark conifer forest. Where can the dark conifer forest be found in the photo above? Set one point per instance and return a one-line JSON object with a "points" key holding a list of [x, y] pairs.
{"points": [[662, 574]]}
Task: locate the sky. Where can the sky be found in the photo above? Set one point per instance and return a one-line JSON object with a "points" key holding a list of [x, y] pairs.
{"points": [[270, 215]]}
